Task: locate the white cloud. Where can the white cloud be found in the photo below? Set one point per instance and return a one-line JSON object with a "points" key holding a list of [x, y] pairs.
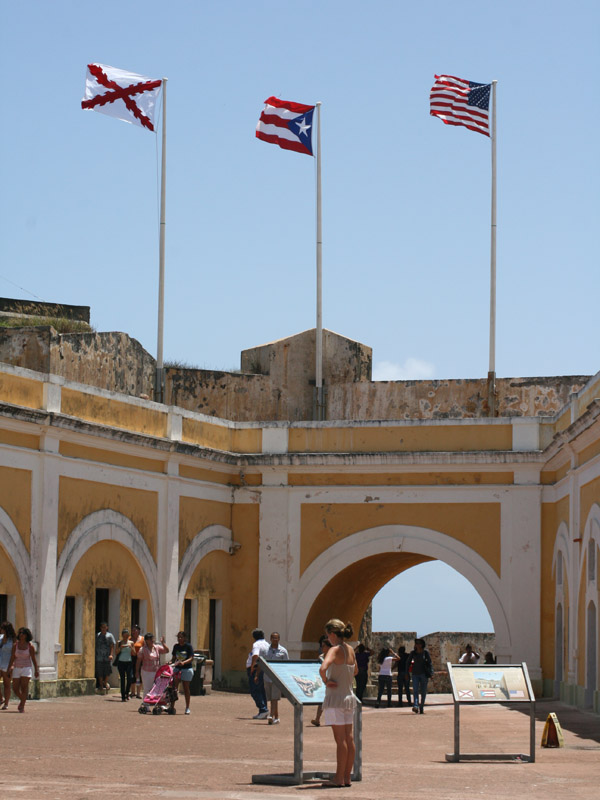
{"points": [[410, 369]]}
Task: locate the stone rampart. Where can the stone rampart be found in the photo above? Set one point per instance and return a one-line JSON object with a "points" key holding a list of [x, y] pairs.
{"points": [[277, 381]]}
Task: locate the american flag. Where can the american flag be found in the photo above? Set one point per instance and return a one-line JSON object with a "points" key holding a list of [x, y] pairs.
{"points": [[459, 102]]}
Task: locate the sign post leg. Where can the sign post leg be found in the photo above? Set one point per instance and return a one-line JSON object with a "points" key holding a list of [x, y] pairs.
{"points": [[298, 744], [357, 766]]}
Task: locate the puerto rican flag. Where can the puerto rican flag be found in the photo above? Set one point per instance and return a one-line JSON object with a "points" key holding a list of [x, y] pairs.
{"points": [[286, 124], [124, 95]]}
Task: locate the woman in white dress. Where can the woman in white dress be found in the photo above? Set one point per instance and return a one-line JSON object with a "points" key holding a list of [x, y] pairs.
{"points": [[337, 672]]}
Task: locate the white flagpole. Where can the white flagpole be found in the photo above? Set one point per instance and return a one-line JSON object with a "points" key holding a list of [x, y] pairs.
{"points": [[492, 366], [159, 387], [319, 330]]}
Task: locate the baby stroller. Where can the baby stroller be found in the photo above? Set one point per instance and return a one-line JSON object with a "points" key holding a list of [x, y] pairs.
{"points": [[163, 694]]}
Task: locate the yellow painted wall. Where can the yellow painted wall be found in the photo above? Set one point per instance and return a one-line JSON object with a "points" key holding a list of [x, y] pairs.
{"points": [[78, 498], [552, 516], [589, 452], [15, 439], [15, 499], [108, 411], [21, 391], [589, 494], [418, 438], [476, 525], [401, 479], [195, 515], [106, 565], [234, 581], [11, 585], [221, 437], [70, 450]]}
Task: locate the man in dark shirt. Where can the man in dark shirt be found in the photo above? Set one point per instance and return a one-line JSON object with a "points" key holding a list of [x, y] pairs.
{"points": [[403, 677]]}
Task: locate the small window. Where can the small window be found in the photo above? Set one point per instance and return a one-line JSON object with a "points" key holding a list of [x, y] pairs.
{"points": [[101, 607], [4, 607], [135, 612], [69, 624], [591, 561], [187, 617]]}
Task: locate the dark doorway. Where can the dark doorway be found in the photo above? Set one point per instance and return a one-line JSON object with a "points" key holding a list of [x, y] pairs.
{"points": [[101, 607]]}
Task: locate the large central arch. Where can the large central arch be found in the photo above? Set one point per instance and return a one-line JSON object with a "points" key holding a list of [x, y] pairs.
{"points": [[401, 547]]}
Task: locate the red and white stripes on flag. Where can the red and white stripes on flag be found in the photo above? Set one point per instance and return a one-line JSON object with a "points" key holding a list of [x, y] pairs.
{"points": [[459, 102], [124, 95], [286, 124]]}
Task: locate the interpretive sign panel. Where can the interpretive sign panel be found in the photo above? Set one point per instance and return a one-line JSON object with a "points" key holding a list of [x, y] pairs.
{"points": [[478, 684], [301, 683], [489, 683], [300, 679]]}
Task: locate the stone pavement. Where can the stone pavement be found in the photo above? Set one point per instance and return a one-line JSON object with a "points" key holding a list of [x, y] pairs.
{"points": [[98, 747]]}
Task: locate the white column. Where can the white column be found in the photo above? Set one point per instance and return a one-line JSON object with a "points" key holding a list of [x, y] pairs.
{"points": [[44, 538], [521, 575], [273, 556], [168, 616]]}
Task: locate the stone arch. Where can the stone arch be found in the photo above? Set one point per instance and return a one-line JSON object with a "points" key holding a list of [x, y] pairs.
{"points": [[213, 537], [97, 527], [425, 543], [14, 546]]}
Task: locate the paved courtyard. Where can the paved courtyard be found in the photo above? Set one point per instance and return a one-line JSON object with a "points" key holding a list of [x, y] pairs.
{"points": [[98, 747]]}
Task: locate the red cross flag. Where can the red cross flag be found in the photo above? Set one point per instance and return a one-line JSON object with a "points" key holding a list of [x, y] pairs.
{"points": [[121, 94]]}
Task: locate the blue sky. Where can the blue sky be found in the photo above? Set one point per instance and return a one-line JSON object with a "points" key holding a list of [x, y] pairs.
{"points": [[405, 198]]}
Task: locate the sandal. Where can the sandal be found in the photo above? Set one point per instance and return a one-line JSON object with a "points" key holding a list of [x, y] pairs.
{"points": [[332, 785], [316, 723]]}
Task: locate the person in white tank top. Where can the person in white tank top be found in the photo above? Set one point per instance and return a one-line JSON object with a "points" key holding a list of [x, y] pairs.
{"points": [[337, 672]]}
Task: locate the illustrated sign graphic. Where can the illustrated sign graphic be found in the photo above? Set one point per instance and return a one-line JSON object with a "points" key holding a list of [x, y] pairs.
{"points": [[300, 678], [482, 683]]}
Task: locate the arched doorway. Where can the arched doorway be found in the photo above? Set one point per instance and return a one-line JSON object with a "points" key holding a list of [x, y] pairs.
{"points": [[15, 571], [342, 580]]}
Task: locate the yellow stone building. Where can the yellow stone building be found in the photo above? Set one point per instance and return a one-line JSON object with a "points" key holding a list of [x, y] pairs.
{"points": [[208, 515]]}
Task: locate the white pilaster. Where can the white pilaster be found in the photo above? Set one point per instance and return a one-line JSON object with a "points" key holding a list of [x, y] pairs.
{"points": [[521, 576], [168, 615], [44, 538], [273, 560]]}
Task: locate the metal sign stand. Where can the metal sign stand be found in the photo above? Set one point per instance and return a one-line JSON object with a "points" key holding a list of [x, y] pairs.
{"points": [[299, 776], [458, 756]]}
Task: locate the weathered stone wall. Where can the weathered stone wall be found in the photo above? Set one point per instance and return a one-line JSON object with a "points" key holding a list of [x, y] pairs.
{"points": [[449, 399], [33, 308], [290, 364], [278, 380], [111, 361], [28, 347], [233, 396]]}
